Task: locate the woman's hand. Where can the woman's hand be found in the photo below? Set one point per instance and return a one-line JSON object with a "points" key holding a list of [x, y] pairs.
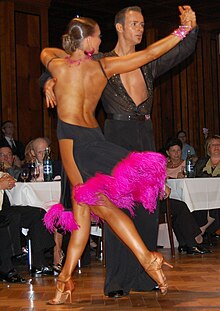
{"points": [[49, 93], [167, 192]]}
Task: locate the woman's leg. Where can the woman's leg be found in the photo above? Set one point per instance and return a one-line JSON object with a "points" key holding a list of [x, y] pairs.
{"points": [[78, 240]]}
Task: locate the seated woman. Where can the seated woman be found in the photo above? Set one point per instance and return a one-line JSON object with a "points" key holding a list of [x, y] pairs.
{"points": [[186, 229], [209, 167]]}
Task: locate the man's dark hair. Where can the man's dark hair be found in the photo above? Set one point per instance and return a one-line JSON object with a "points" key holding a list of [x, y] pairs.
{"points": [[120, 16]]}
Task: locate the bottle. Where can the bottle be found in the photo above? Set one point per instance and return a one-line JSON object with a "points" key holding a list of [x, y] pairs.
{"points": [[189, 166], [47, 166]]}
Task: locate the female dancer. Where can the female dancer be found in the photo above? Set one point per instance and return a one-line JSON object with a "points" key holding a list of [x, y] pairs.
{"points": [[84, 151]]}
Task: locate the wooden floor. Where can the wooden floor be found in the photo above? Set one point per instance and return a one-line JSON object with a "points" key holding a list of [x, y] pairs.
{"points": [[194, 284]]}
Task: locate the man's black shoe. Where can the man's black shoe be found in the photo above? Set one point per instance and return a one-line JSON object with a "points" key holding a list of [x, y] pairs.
{"points": [[198, 250], [11, 277], [156, 288], [182, 249], [43, 270], [116, 294]]}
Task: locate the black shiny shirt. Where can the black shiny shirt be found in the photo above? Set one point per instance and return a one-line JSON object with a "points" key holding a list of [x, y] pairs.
{"points": [[115, 98]]}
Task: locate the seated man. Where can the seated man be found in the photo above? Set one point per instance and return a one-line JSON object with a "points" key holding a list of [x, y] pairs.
{"points": [[38, 147], [29, 217], [8, 140], [7, 270]]}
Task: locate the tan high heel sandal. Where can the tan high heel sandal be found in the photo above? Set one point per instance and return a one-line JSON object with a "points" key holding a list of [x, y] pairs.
{"points": [[156, 273], [62, 296]]}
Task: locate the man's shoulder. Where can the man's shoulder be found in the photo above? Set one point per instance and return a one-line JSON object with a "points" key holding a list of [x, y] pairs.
{"points": [[3, 142]]}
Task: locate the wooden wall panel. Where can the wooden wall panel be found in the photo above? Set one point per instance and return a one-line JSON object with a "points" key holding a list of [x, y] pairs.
{"points": [[189, 96], [29, 102]]}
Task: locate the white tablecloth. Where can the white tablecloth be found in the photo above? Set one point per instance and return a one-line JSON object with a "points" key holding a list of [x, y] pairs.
{"points": [[197, 193], [38, 194]]}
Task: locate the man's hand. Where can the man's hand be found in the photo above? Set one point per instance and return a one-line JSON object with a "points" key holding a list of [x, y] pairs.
{"points": [[49, 93], [7, 182], [7, 165], [188, 16]]}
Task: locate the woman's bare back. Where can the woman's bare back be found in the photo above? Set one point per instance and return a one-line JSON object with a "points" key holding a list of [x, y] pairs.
{"points": [[78, 89]]}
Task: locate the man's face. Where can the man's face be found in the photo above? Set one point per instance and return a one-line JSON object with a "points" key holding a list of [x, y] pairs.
{"points": [[6, 156], [182, 137], [39, 150], [133, 27], [8, 129]]}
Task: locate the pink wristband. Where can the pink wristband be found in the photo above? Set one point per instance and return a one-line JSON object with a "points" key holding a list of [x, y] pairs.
{"points": [[182, 31]]}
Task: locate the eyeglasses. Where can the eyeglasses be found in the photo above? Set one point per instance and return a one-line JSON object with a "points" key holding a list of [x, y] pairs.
{"points": [[6, 155]]}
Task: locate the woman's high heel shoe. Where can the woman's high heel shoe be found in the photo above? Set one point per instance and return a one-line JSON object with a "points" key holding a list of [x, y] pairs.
{"points": [[156, 273], [62, 296]]}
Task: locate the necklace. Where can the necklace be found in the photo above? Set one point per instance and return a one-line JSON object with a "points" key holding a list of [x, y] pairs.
{"points": [[214, 165], [88, 55]]}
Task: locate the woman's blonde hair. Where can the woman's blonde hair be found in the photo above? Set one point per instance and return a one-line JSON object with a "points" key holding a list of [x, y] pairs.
{"points": [[209, 142]]}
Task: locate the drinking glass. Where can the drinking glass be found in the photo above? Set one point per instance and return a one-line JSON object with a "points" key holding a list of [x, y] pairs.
{"points": [[35, 171], [24, 175]]}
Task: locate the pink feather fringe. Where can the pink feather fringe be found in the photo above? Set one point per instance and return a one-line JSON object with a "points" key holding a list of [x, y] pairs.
{"points": [[57, 217], [140, 177]]}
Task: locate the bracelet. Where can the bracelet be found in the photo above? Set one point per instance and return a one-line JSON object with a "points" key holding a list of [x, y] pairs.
{"points": [[182, 31]]}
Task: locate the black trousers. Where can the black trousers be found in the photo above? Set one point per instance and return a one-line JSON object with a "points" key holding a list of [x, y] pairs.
{"points": [[123, 271], [31, 218], [184, 224], [6, 246]]}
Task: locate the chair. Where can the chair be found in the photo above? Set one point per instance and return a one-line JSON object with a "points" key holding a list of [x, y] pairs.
{"points": [[96, 230], [166, 218], [25, 232]]}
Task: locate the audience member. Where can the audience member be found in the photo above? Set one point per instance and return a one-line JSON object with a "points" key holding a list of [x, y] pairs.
{"points": [[29, 217], [175, 169], [209, 166], [186, 147], [9, 141], [185, 227], [37, 150], [7, 271]]}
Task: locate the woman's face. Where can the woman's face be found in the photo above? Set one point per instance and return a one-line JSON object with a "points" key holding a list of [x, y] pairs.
{"points": [[214, 148], [95, 39], [174, 153]]}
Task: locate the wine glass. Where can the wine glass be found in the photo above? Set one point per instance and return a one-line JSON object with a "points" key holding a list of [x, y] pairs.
{"points": [[35, 171], [24, 175]]}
